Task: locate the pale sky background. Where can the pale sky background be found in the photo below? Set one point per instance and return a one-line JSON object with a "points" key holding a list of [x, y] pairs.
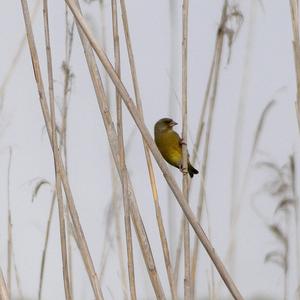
{"points": [[260, 69]]}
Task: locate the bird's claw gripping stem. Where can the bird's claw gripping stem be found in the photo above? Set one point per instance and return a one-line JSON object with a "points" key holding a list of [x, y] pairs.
{"points": [[182, 142], [184, 171]]}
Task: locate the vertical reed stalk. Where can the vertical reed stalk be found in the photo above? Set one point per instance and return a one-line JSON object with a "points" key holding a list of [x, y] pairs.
{"points": [[62, 145], [200, 203], [69, 32], [196, 147], [124, 180], [45, 248], [118, 232], [149, 140], [113, 141], [185, 174], [294, 7], [174, 73], [60, 203], [214, 88], [138, 100], [296, 197], [212, 91], [44, 106]]}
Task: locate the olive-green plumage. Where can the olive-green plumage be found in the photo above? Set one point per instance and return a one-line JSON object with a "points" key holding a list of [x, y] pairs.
{"points": [[169, 144]]}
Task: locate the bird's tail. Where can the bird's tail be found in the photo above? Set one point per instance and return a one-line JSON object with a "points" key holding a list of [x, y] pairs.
{"points": [[192, 170]]}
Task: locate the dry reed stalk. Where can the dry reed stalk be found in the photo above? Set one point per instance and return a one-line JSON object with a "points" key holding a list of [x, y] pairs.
{"points": [[62, 145], [124, 180], [173, 73], [113, 142], [60, 203], [118, 235], [114, 199], [43, 261], [185, 174], [294, 8], [211, 89], [3, 288], [105, 247], [296, 197], [10, 247], [102, 4], [215, 79], [42, 97], [138, 100], [296, 46], [63, 130], [196, 147], [67, 85], [149, 140]]}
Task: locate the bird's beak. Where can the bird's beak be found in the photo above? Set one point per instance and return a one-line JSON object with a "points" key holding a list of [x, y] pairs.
{"points": [[173, 123]]}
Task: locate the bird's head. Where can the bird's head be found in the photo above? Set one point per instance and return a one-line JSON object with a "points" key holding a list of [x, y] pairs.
{"points": [[164, 124]]}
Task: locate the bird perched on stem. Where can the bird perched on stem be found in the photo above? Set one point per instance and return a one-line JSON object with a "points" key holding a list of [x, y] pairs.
{"points": [[169, 144]]}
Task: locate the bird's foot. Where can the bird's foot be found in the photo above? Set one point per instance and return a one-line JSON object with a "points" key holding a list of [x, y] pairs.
{"points": [[182, 142], [183, 170]]}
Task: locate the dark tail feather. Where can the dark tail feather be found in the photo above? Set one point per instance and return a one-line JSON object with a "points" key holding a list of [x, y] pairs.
{"points": [[192, 170]]}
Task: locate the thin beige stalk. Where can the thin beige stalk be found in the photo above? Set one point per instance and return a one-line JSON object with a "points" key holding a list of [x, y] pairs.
{"points": [[106, 244], [45, 248], [124, 180], [185, 174], [103, 33], [3, 288], [42, 97], [196, 147], [149, 140], [296, 197], [113, 142], [138, 100], [69, 32], [62, 145], [67, 84], [294, 7], [9, 228], [174, 76], [118, 235], [203, 171], [211, 88], [60, 203]]}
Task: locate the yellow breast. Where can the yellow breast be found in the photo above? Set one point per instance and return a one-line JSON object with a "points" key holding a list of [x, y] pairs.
{"points": [[169, 146]]}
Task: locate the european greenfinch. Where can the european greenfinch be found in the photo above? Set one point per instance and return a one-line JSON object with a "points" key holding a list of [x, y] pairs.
{"points": [[169, 144]]}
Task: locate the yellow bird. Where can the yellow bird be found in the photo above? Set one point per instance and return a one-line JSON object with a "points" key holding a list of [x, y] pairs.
{"points": [[169, 144]]}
